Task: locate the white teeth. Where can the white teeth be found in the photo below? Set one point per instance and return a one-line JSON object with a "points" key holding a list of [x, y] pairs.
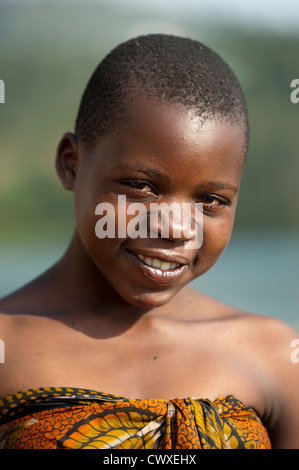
{"points": [[155, 262], [158, 263], [165, 266]]}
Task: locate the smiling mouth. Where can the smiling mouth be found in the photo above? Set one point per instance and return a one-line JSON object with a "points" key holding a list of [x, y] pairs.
{"points": [[157, 270], [158, 263]]}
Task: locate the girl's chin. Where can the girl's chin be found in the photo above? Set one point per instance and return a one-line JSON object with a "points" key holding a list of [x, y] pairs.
{"points": [[148, 300]]}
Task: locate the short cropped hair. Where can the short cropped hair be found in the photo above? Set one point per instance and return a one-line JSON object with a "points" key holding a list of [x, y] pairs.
{"points": [[165, 67]]}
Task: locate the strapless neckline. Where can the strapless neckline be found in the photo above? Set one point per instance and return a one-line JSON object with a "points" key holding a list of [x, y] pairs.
{"points": [[25, 395], [65, 417]]}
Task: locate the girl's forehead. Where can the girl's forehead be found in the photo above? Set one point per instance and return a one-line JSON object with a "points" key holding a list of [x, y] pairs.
{"points": [[172, 133], [151, 123], [180, 149]]}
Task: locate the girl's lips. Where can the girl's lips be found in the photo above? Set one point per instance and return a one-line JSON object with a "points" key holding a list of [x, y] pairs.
{"points": [[155, 274]]}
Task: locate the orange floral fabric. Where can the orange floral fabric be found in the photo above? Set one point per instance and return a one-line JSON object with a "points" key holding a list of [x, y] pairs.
{"points": [[52, 418]]}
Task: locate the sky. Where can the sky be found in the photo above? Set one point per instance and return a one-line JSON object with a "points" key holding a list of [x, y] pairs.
{"points": [[272, 14], [280, 15]]}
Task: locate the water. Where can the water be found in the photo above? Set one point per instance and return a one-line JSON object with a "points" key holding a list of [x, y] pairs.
{"points": [[257, 272]]}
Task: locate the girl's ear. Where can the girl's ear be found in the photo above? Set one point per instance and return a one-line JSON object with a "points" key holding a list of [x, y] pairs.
{"points": [[67, 160]]}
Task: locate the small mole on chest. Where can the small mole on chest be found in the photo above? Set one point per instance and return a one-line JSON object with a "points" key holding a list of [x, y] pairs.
{"points": [[155, 357]]}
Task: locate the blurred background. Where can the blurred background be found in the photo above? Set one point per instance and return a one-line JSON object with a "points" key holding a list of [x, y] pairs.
{"points": [[48, 50]]}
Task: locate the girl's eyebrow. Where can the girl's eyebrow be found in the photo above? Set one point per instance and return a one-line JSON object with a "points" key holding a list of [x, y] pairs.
{"points": [[141, 169], [218, 185], [153, 172]]}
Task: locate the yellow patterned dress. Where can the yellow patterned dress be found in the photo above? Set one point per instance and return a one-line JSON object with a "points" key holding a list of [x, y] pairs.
{"points": [[56, 418]]}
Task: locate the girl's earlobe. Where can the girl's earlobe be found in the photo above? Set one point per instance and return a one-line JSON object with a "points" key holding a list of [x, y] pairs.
{"points": [[67, 160]]}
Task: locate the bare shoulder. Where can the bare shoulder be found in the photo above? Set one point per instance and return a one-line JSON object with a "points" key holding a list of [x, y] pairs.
{"points": [[274, 345], [271, 347], [281, 366], [20, 312], [259, 325], [12, 325], [266, 339], [272, 338], [270, 342]]}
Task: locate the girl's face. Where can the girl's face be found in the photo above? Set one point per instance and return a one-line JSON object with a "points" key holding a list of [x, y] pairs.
{"points": [[162, 155]]}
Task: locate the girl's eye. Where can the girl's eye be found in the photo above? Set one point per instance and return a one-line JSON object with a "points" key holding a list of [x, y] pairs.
{"points": [[213, 202], [140, 186]]}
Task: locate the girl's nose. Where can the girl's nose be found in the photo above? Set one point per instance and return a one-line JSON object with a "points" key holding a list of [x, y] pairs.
{"points": [[178, 222]]}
